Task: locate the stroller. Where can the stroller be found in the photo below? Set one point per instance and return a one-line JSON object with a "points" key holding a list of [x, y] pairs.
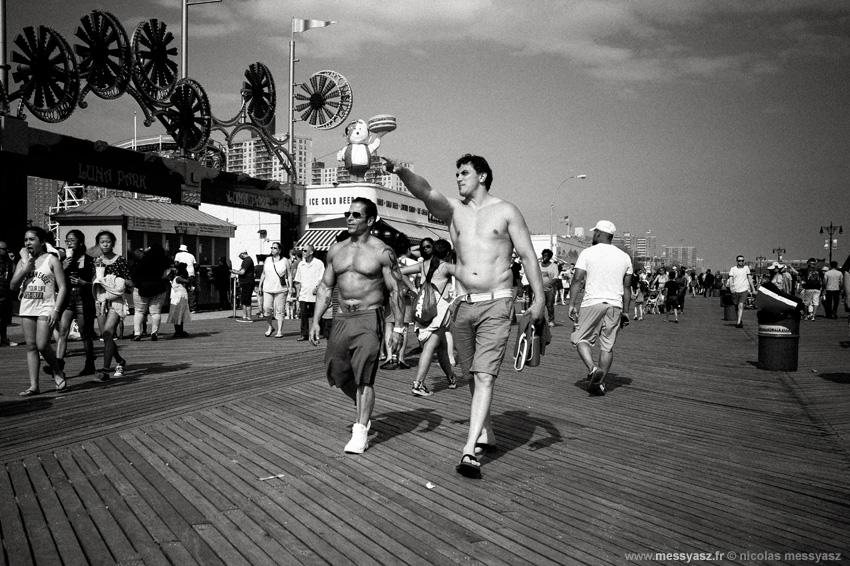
{"points": [[651, 302]]}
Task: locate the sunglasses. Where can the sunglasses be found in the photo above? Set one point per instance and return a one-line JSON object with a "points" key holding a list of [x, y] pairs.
{"points": [[355, 215]]}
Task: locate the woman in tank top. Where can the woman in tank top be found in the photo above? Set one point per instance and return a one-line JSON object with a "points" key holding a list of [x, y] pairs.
{"points": [[43, 294], [275, 283]]}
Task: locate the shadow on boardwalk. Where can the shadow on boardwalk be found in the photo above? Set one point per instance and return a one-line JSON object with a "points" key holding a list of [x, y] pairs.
{"points": [[226, 448]]}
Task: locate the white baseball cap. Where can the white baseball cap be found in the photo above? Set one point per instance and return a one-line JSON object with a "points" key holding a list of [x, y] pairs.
{"points": [[605, 226]]}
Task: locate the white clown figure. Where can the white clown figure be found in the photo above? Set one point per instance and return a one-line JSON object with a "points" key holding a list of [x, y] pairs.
{"points": [[363, 140]]}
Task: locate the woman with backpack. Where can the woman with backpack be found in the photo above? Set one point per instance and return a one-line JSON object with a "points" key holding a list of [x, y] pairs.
{"points": [[436, 273]]}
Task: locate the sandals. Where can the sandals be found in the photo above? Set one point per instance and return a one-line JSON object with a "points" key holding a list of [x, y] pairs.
{"points": [[269, 332], [469, 467], [61, 384], [29, 392]]}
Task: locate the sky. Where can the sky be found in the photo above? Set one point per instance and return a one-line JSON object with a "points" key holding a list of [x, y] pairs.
{"points": [[720, 124]]}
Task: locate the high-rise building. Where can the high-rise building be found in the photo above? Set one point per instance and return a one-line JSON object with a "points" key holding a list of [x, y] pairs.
{"points": [[646, 247], [686, 256], [252, 158], [41, 195], [642, 249]]}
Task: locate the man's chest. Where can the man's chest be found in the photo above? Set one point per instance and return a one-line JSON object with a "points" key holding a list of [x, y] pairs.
{"points": [[485, 223]]}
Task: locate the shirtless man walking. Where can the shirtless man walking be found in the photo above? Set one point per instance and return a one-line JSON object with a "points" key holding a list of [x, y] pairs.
{"points": [[363, 267], [485, 230]]}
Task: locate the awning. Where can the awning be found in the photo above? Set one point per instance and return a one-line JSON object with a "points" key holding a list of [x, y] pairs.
{"points": [[416, 232], [320, 238]]}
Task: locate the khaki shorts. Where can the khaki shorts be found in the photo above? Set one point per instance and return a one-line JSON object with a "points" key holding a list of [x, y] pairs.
{"points": [[480, 332], [597, 321], [273, 304]]}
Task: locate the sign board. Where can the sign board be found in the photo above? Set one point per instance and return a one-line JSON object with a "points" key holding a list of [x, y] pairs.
{"points": [[171, 227]]}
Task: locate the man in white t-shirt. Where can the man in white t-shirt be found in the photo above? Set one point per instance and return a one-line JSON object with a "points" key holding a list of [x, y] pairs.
{"points": [[606, 272], [308, 275], [183, 256], [740, 284]]}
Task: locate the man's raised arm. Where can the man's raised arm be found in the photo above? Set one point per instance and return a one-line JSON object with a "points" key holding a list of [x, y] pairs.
{"points": [[435, 202]]}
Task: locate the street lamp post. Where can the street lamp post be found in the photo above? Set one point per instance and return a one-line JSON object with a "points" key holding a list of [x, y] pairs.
{"points": [[184, 60], [552, 208], [778, 252], [760, 262], [831, 230]]}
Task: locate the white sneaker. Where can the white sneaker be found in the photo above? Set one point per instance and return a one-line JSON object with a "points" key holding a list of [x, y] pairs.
{"points": [[359, 441]]}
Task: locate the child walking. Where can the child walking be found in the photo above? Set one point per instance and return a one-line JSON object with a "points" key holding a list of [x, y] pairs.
{"points": [[638, 298], [671, 302], [179, 314]]}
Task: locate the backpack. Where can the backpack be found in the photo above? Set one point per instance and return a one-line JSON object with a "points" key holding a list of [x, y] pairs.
{"points": [[425, 304]]}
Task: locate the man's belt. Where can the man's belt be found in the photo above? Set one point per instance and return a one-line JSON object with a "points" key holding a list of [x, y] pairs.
{"points": [[481, 297]]}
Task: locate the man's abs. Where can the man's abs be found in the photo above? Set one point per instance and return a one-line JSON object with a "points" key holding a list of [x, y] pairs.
{"points": [[483, 278]]}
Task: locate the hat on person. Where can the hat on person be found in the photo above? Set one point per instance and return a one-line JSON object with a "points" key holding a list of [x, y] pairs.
{"points": [[774, 265], [183, 248], [245, 252], [825, 268], [605, 226]]}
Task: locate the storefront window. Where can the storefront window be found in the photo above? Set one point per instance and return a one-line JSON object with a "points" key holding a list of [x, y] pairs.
{"points": [[172, 244], [205, 250], [135, 240]]}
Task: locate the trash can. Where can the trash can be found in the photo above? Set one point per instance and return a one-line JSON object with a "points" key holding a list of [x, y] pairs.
{"points": [[778, 347], [730, 310], [779, 328]]}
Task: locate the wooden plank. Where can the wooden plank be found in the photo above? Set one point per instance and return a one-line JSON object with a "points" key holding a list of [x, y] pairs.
{"points": [[114, 538], [12, 527], [323, 541], [194, 463], [100, 474], [93, 546], [59, 528], [42, 548]]}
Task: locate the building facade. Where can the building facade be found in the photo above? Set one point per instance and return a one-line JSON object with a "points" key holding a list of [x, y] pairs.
{"points": [[685, 256], [252, 158], [41, 196]]}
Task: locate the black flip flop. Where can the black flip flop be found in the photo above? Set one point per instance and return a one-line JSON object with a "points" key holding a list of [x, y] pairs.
{"points": [[469, 467]]}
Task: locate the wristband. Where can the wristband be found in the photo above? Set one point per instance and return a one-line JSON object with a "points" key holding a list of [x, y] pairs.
{"points": [[399, 330]]}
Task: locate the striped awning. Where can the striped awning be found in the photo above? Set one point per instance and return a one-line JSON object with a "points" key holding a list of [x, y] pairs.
{"points": [[320, 238], [416, 232]]}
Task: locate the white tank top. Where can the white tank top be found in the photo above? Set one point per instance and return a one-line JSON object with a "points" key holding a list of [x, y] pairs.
{"points": [[38, 292]]}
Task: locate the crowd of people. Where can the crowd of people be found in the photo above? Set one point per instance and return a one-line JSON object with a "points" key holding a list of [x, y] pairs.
{"points": [[458, 303], [74, 289]]}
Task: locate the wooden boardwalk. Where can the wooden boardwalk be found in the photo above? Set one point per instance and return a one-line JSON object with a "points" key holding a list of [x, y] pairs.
{"points": [[226, 448]]}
